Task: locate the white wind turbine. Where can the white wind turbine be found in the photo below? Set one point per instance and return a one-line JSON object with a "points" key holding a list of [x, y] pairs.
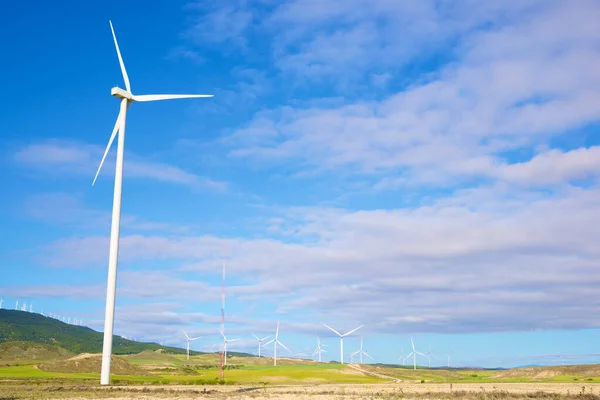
{"points": [[188, 340], [448, 355], [342, 339], [17, 305], [225, 341], [319, 349], [361, 352], [275, 342], [414, 354], [429, 357], [127, 97], [260, 340], [1, 301]]}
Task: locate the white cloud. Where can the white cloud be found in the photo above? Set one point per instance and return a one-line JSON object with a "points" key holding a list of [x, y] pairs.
{"points": [[67, 158], [466, 263], [554, 167], [511, 87]]}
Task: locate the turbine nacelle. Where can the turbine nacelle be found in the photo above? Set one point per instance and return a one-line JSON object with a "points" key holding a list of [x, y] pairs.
{"points": [[122, 94]]}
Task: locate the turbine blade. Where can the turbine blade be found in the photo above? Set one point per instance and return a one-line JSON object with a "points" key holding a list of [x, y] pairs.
{"points": [[221, 332], [283, 345], [195, 338], [186, 336], [368, 355], [256, 337], [233, 340], [156, 97], [110, 141], [277, 331], [269, 342], [331, 329], [123, 71], [353, 330], [413, 343], [265, 338]]}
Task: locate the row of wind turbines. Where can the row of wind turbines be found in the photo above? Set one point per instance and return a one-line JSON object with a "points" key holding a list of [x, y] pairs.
{"points": [[29, 308], [319, 350]]}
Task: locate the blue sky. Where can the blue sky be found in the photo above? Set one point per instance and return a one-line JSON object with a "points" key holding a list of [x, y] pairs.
{"points": [[423, 168]]}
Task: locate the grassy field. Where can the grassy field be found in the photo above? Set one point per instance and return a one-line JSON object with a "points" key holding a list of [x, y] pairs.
{"points": [[157, 368]]}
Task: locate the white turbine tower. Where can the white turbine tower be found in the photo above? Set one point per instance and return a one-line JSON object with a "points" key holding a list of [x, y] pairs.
{"points": [[342, 339], [188, 340], [225, 341], [275, 342], [17, 305], [414, 354], [361, 352], [319, 349], [260, 340], [126, 97], [448, 355], [30, 307], [1, 301]]}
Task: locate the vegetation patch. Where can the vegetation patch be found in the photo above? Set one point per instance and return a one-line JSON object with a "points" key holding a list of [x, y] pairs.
{"points": [[91, 364]]}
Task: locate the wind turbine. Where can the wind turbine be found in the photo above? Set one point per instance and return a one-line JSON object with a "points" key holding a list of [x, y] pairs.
{"points": [[17, 305], [260, 340], [225, 341], [361, 352], [275, 342], [342, 339], [188, 340], [429, 357], [402, 357], [414, 354], [448, 359], [319, 349], [1, 301], [126, 97], [30, 307]]}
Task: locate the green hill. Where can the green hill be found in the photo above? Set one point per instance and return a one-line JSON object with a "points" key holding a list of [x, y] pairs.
{"points": [[31, 327]]}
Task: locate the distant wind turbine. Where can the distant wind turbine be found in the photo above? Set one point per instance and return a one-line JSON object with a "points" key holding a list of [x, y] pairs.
{"points": [[429, 357], [275, 342], [30, 307], [361, 352], [1, 301], [188, 340], [319, 349], [260, 340], [448, 359], [17, 305], [225, 341], [126, 97], [342, 339], [24, 307], [414, 354]]}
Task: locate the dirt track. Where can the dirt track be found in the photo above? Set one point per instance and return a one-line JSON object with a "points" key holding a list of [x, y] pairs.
{"points": [[301, 392]]}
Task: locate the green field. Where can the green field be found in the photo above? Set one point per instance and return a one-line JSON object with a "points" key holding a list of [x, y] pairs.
{"points": [[19, 361]]}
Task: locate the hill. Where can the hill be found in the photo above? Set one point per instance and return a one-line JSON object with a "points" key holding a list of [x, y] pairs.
{"points": [[583, 371], [24, 326], [91, 364], [20, 352]]}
